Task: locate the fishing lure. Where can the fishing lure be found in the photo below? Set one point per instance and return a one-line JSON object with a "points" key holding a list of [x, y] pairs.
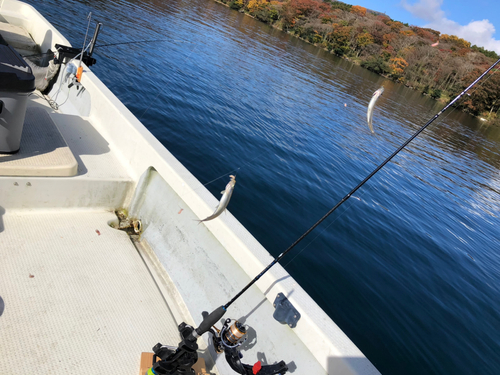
{"points": [[224, 201], [369, 114]]}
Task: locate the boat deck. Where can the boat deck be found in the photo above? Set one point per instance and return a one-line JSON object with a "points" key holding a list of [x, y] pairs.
{"points": [[77, 296]]}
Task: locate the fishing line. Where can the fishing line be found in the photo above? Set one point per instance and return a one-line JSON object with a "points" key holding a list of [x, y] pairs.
{"points": [[387, 160], [143, 41], [117, 44], [235, 171], [89, 17]]}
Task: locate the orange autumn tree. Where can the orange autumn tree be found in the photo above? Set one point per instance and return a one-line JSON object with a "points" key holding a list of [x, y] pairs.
{"points": [[359, 10], [407, 32], [362, 40], [398, 66], [294, 9], [254, 5], [395, 25], [307, 8], [339, 38], [459, 42], [387, 39]]}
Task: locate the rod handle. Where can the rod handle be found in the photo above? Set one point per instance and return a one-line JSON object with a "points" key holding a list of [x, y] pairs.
{"points": [[210, 320]]}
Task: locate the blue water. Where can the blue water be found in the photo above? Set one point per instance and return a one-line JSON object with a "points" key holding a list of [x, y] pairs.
{"points": [[409, 266]]}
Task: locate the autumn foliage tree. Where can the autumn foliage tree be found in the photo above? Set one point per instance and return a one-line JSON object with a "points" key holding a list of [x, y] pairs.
{"points": [[398, 66], [362, 41], [360, 11], [459, 42], [300, 9]]}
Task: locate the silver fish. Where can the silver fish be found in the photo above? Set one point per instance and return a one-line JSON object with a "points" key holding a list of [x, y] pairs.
{"points": [[224, 201], [369, 114]]}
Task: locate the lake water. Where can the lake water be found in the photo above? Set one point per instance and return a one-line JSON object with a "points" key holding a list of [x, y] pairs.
{"points": [[409, 267]]}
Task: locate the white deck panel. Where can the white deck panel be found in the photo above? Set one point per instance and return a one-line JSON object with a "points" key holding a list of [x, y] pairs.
{"points": [[75, 301], [95, 158], [101, 181], [43, 150]]}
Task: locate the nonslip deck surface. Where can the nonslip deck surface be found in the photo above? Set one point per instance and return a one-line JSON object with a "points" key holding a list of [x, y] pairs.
{"points": [[75, 296]]}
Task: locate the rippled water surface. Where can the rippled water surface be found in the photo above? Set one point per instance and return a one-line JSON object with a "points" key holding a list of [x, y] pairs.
{"points": [[408, 267]]}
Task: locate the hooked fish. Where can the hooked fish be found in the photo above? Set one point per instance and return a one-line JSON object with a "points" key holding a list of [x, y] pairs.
{"points": [[369, 114], [224, 201]]}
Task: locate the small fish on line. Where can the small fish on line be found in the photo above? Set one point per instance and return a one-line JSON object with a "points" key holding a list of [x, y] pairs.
{"points": [[224, 201], [369, 114]]}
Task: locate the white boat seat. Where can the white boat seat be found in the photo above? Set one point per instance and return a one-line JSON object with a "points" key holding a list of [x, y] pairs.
{"points": [[43, 152], [18, 38]]}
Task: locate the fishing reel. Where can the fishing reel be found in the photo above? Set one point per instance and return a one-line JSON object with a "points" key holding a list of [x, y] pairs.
{"points": [[170, 360], [229, 338]]}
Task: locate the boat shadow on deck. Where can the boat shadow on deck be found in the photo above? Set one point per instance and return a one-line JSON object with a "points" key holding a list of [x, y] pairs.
{"points": [[54, 143], [82, 138]]}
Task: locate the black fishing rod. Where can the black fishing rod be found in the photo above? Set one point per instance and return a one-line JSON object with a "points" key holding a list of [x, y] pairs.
{"points": [[221, 310], [133, 42], [171, 361], [117, 44]]}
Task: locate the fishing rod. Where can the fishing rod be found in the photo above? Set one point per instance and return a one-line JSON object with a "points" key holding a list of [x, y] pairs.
{"points": [[142, 41], [179, 361], [115, 44]]}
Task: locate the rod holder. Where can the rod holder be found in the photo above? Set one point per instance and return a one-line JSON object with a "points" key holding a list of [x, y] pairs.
{"points": [[94, 38]]}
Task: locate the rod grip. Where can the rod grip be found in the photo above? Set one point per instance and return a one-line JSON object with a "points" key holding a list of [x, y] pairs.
{"points": [[210, 320]]}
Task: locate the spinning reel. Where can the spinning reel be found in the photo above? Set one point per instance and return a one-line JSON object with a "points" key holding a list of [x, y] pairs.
{"points": [[177, 361], [229, 339]]}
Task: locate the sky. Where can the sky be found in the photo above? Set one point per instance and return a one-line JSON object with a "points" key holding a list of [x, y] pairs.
{"points": [[476, 21]]}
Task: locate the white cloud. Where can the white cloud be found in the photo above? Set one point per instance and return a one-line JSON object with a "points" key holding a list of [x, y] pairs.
{"points": [[428, 10], [479, 33]]}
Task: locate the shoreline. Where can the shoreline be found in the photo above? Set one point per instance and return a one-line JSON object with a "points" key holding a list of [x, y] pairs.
{"points": [[445, 99]]}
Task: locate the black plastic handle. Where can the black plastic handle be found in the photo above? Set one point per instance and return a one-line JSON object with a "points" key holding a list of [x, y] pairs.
{"points": [[210, 320]]}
